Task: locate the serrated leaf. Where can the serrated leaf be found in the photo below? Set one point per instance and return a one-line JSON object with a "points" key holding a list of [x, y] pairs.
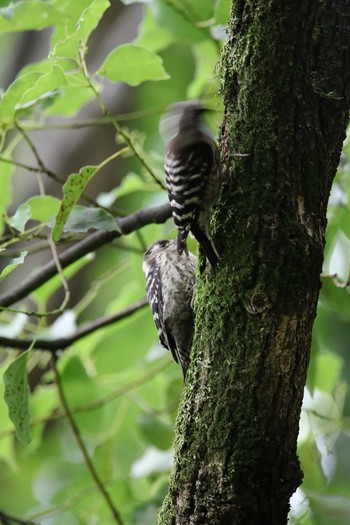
{"points": [[13, 264], [133, 64], [72, 190], [17, 397], [82, 219], [156, 431]]}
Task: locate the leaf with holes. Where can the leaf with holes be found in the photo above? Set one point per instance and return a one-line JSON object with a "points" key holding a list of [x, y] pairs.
{"points": [[72, 190], [17, 396]]}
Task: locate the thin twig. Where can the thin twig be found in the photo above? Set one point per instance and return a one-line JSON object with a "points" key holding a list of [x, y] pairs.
{"points": [[64, 342], [88, 462], [61, 274], [338, 282], [94, 241], [43, 168], [91, 122]]}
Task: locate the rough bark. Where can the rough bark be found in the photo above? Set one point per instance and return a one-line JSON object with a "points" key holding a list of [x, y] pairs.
{"points": [[286, 88]]}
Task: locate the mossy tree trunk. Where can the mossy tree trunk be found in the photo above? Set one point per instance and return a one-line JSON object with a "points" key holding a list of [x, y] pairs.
{"points": [[286, 88]]}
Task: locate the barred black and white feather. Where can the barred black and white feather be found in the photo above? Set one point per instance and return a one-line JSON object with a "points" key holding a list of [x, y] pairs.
{"points": [[193, 174], [170, 284]]}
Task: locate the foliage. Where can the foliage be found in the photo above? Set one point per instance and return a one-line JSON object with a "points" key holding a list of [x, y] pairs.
{"points": [[121, 389]]}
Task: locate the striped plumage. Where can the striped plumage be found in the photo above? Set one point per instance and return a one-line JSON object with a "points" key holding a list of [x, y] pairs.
{"points": [[170, 283], [193, 174]]}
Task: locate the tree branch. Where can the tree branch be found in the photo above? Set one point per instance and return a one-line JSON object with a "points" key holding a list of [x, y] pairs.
{"points": [[63, 342], [6, 519], [94, 241]]}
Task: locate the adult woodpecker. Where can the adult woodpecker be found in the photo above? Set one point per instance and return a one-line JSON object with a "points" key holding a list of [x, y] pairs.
{"points": [[193, 174], [170, 283]]}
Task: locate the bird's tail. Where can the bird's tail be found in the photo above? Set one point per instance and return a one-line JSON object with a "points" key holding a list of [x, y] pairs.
{"points": [[207, 244]]}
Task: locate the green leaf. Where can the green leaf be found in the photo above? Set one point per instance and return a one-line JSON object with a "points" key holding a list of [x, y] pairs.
{"points": [[14, 93], [24, 16], [34, 84], [46, 86], [133, 64], [39, 208], [13, 264], [43, 207], [151, 35], [82, 219], [90, 18], [17, 396], [131, 183], [83, 19], [70, 101], [178, 21], [196, 10], [20, 218], [72, 190], [156, 431]]}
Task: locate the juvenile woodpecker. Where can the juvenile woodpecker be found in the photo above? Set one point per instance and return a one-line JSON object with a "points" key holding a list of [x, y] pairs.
{"points": [[193, 174], [170, 283]]}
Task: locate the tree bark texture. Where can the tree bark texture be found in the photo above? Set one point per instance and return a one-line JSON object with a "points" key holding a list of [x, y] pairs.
{"points": [[286, 86]]}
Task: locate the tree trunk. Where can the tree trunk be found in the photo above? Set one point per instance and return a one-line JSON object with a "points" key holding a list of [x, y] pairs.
{"points": [[286, 88]]}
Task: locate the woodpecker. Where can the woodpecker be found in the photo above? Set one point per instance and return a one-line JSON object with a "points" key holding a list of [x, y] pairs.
{"points": [[170, 283], [193, 174]]}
